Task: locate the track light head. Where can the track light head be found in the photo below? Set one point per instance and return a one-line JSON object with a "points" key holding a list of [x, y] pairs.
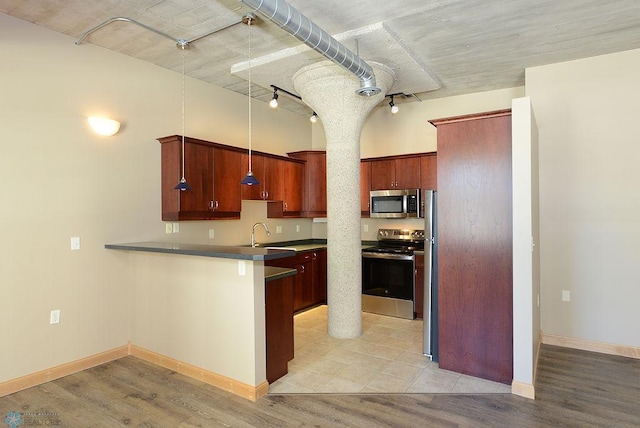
{"points": [[274, 101], [394, 108], [314, 117]]}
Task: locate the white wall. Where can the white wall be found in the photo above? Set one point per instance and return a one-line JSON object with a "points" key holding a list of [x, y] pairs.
{"points": [[587, 114], [60, 180]]}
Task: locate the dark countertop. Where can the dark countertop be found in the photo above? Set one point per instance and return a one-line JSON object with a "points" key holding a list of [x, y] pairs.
{"points": [[219, 251], [271, 273]]}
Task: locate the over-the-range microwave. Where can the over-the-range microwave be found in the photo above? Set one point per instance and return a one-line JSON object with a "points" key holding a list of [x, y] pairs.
{"points": [[395, 203]]}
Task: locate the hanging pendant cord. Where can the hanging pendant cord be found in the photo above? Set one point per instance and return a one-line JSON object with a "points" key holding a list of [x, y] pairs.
{"points": [[183, 94], [250, 136]]}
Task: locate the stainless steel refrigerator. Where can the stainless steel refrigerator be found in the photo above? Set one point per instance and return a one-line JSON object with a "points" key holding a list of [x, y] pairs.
{"points": [[430, 310]]}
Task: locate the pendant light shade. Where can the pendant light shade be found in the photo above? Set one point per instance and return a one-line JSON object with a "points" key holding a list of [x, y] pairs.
{"points": [[249, 179], [182, 185]]}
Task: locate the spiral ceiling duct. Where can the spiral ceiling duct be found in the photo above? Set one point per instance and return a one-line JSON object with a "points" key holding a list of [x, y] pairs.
{"points": [[303, 29]]}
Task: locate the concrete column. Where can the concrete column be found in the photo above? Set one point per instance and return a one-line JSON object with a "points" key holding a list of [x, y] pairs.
{"points": [[330, 91]]}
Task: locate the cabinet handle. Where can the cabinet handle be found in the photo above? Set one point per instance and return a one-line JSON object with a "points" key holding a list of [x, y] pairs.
{"points": [[211, 205], [217, 205], [266, 194], [285, 206], [302, 268]]}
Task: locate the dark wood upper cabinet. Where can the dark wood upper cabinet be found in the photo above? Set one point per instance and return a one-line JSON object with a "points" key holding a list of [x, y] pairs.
{"points": [[398, 172], [212, 195], [227, 174], [365, 187], [475, 286], [314, 187], [292, 187], [429, 172]]}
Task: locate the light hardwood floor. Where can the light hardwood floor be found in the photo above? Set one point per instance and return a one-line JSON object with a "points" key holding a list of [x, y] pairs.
{"points": [[574, 388]]}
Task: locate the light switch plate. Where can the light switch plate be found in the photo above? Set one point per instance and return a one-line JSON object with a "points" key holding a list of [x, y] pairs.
{"points": [[75, 243], [168, 228], [54, 318], [566, 296], [242, 268]]}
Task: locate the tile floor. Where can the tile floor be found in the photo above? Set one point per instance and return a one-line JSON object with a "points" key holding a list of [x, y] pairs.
{"points": [[387, 357]]}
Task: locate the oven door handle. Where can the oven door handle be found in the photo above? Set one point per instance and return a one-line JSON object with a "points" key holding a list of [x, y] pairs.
{"points": [[387, 256]]}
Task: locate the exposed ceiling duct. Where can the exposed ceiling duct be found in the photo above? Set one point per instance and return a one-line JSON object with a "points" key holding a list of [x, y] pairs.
{"points": [[303, 29]]}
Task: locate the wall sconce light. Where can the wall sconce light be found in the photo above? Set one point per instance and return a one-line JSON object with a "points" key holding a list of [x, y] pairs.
{"points": [[394, 108], [104, 126], [314, 117], [274, 101]]}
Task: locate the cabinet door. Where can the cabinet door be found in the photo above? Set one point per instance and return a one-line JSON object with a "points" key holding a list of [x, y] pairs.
{"points": [[316, 184], [292, 186], [428, 172], [407, 173], [383, 174], [273, 179], [319, 276], [227, 173], [198, 170], [365, 187]]}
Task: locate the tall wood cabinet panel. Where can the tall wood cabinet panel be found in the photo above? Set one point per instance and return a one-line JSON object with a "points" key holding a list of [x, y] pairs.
{"points": [[475, 245]]}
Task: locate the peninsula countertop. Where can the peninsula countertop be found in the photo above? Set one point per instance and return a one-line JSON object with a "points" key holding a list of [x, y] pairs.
{"points": [[219, 251]]}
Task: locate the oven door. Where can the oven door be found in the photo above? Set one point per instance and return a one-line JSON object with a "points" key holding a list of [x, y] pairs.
{"points": [[388, 284]]}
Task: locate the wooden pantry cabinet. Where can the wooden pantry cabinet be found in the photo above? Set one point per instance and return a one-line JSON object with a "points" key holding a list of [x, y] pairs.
{"points": [[212, 170], [475, 267]]}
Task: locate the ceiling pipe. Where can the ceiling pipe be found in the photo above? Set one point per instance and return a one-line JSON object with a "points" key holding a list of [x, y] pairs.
{"points": [[303, 29]]}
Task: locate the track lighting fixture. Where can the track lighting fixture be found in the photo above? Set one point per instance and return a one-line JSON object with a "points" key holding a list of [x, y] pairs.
{"points": [[394, 108], [274, 101], [314, 117]]}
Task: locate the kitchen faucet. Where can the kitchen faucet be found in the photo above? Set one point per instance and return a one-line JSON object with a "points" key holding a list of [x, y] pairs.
{"points": [[253, 233]]}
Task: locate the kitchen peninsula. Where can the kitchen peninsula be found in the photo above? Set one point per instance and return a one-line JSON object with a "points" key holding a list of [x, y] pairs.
{"points": [[200, 310]]}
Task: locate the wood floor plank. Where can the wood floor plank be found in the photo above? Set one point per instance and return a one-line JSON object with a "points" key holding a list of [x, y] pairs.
{"points": [[574, 389]]}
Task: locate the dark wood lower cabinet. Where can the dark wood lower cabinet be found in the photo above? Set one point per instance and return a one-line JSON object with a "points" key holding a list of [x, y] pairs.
{"points": [[475, 285], [310, 287], [279, 326]]}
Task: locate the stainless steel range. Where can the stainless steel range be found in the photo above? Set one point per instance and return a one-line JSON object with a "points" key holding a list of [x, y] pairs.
{"points": [[388, 281]]}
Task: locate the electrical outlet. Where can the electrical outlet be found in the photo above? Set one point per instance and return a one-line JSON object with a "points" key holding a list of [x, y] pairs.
{"points": [[278, 229], [54, 318], [242, 268], [176, 227], [566, 296], [212, 233], [366, 227], [75, 243], [297, 228], [168, 228]]}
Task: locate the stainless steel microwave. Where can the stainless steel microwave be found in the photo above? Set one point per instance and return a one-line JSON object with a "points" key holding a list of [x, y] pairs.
{"points": [[396, 203]]}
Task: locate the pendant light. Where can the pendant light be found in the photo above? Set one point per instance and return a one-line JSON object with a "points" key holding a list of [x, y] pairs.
{"points": [[182, 184], [249, 179]]}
